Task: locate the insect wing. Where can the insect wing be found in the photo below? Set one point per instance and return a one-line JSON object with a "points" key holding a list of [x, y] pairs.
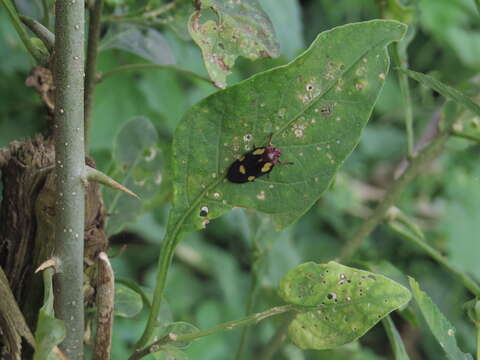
{"points": [[250, 166]]}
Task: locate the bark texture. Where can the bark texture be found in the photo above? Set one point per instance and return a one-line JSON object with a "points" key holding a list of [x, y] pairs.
{"points": [[27, 214]]}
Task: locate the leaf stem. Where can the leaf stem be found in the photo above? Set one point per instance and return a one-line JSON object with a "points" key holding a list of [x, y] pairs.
{"points": [[416, 164], [136, 67], [22, 33], [468, 282], [169, 243], [229, 325], [464, 135], [90, 65], [70, 170], [41, 31], [401, 62]]}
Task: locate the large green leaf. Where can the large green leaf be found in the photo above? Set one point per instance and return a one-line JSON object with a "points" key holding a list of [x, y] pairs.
{"points": [[314, 108], [441, 328], [339, 303], [231, 29]]}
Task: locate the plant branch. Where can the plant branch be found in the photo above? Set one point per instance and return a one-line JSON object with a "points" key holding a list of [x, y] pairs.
{"points": [[164, 261], [136, 67], [41, 31], [91, 63], [170, 241], [229, 325], [407, 100], [15, 19], [464, 135], [416, 165], [70, 170], [468, 282]]}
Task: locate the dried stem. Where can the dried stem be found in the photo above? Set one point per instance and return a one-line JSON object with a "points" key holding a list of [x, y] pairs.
{"points": [[104, 300]]}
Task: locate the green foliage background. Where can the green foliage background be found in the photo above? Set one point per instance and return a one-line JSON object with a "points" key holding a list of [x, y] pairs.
{"points": [[210, 280]]}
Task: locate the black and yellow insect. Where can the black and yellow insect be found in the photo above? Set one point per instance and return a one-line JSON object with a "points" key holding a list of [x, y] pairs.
{"points": [[258, 162]]}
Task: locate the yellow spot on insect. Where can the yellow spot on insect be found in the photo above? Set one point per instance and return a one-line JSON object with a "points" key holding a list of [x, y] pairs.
{"points": [[259, 151], [251, 178], [267, 167], [242, 158], [242, 169]]}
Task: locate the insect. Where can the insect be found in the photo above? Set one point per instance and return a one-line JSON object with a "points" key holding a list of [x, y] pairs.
{"points": [[257, 162]]}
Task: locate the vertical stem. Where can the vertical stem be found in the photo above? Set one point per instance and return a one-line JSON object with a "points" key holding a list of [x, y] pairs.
{"points": [[90, 65], [407, 99], [164, 261], [70, 170]]}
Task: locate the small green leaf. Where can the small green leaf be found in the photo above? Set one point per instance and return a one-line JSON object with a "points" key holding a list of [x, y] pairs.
{"points": [[40, 48], [139, 167], [231, 29], [128, 302], [146, 43], [395, 340], [180, 328], [439, 325], [445, 90], [50, 331], [314, 110], [338, 303]]}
